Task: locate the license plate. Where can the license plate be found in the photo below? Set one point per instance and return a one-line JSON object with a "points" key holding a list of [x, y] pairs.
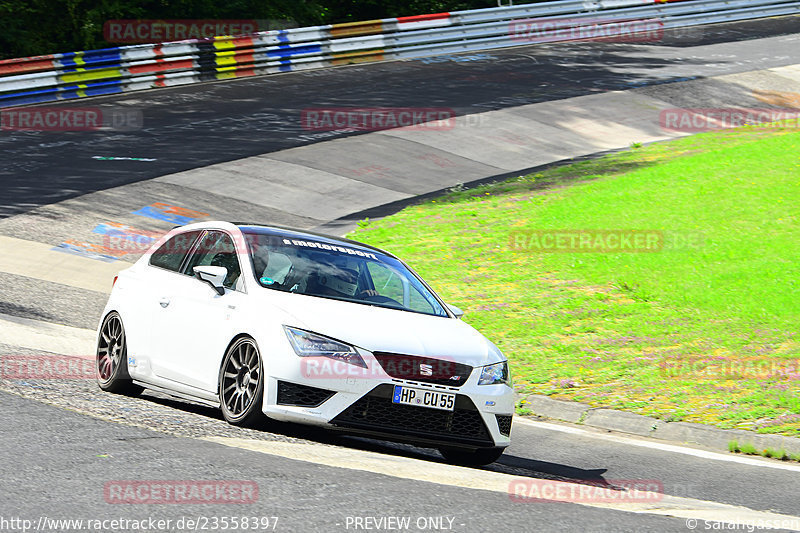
{"points": [[424, 398]]}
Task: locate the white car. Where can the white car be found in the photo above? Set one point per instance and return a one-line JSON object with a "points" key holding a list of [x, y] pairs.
{"points": [[302, 327]]}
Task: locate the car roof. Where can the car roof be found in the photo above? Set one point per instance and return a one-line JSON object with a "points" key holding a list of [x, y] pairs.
{"points": [[291, 233]]}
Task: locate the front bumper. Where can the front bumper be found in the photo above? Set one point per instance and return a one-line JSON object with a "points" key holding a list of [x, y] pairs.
{"points": [[360, 403], [375, 413]]}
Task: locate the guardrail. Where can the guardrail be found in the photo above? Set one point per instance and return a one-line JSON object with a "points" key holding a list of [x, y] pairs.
{"points": [[130, 68]]}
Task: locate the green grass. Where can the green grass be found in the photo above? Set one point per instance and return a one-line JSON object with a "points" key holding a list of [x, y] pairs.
{"points": [[775, 454], [750, 449], [704, 330]]}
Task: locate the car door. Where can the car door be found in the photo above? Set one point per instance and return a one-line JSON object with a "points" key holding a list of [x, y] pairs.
{"points": [[163, 270], [196, 323]]}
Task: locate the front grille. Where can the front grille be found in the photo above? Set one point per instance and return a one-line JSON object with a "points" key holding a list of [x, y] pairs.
{"points": [[504, 424], [424, 369], [301, 395], [376, 412]]}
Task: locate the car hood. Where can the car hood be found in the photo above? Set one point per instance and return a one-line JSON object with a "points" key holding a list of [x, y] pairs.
{"points": [[379, 329]]}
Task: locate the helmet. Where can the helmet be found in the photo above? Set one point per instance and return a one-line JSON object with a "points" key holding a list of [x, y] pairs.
{"points": [[342, 281]]}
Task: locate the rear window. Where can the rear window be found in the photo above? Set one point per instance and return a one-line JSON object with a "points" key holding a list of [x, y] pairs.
{"points": [[171, 254]]}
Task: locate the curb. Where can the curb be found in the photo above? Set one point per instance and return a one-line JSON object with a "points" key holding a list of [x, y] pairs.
{"points": [[645, 426]]}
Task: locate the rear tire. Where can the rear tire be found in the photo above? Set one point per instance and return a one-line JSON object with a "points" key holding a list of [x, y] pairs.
{"points": [[241, 384], [111, 361], [479, 457]]}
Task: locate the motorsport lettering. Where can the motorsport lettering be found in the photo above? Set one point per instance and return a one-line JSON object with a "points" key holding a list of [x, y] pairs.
{"points": [[321, 246]]}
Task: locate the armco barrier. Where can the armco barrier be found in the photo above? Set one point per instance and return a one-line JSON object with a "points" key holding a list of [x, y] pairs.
{"points": [[130, 68]]}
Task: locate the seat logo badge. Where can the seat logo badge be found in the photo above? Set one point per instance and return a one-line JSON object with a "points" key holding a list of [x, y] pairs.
{"points": [[426, 370]]}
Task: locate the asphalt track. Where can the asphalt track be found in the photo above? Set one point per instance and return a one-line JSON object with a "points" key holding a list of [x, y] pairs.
{"points": [[199, 125], [311, 494], [55, 459]]}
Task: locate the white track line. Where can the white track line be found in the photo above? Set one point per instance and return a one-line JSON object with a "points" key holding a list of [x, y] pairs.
{"points": [[470, 478], [703, 454]]}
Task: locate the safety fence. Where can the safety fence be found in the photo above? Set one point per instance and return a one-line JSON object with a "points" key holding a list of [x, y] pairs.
{"points": [[130, 68]]}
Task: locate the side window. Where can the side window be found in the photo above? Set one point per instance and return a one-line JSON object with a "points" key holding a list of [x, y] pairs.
{"points": [[170, 254], [216, 249]]}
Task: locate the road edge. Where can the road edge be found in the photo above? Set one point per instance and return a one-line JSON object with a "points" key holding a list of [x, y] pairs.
{"points": [[614, 420]]}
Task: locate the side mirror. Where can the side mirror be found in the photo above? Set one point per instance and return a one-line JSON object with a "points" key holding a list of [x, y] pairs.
{"points": [[213, 275], [455, 310]]}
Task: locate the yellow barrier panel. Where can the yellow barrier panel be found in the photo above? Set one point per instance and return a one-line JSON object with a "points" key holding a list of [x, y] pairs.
{"points": [[362, 56], [89, 75], [353, 29]]}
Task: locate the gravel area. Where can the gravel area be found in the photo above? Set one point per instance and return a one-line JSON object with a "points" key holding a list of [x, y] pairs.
{"points": [[150, 410]]}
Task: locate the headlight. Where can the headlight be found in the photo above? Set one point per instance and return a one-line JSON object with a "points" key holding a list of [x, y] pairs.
{"points": [[307, 344], [495, 374]]}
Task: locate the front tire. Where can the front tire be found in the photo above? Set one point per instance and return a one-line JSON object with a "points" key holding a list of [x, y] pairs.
{"points": [[112, 358], [241, 383], [479, 457]]}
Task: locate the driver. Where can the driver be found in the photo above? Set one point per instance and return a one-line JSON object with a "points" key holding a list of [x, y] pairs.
{"points": [[338, 281], [260, 261], [261, 268]]}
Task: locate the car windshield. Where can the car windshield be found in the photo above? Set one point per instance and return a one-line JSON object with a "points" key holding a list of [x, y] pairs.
{"points": [[337, 272]]}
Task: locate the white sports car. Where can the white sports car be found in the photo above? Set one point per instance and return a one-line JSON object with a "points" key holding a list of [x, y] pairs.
{"points": [[306, 328]]}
